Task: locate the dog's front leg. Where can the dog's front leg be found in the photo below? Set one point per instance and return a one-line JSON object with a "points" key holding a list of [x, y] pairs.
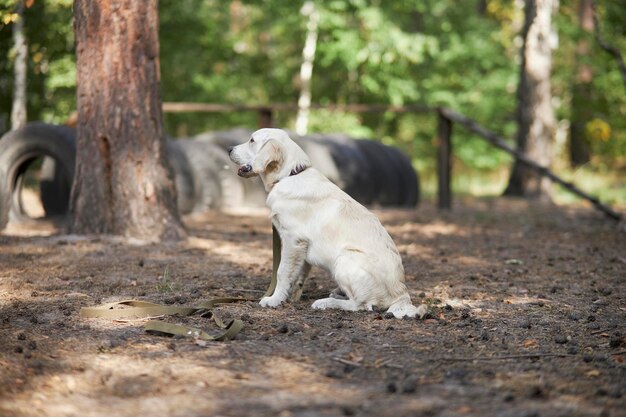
{"points": [[291, 268], [298, 285]]}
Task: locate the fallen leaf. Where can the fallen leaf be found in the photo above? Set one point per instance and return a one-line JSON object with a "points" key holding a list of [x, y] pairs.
{"points": [[355, 357], [464, 409], [593, 373], [530, 343]]}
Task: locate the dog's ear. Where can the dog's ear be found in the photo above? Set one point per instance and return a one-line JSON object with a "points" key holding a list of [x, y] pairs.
{"points": [[269, 157]]}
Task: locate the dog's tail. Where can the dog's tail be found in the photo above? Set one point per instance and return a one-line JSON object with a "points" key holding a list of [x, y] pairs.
{"points": [[403, 307]]}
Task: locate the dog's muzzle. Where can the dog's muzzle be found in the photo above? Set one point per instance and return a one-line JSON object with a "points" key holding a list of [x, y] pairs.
{"points": [[244, 170]]}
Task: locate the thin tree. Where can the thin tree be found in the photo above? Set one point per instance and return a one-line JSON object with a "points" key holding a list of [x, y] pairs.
{"points": [[535, 115], [582, 103], [610, 49], [20, 66], [306, 69], [123, 183]]}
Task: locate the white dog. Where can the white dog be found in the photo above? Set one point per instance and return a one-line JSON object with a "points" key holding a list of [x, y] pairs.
{"points": [[321, 225]]}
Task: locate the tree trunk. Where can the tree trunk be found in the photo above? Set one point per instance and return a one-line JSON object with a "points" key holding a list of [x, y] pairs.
{"points": [[18, 108], [582, 100], [123, 183], [535, 116], [306, 69]]}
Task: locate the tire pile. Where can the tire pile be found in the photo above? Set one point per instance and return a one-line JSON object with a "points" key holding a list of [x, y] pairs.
{"points": [[372, 173]]}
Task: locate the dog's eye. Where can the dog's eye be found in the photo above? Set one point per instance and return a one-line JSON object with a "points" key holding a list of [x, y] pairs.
{"points": [[251, 140]]}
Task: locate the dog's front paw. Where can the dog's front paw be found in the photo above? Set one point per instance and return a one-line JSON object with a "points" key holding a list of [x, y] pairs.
{"points": [[271, 301]]}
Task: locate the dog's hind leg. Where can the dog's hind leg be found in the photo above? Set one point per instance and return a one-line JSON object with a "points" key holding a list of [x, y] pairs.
{"points": [[339, 294], [324, 303]]}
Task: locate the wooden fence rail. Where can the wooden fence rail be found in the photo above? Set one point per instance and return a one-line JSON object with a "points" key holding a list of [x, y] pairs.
{"points": [[500, 143], [446, 118]]}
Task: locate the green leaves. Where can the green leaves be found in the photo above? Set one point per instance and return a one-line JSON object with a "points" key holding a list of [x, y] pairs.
{"points": [[436, 52]]}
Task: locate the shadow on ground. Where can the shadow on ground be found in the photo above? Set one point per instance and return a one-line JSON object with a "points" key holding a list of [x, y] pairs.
{"points": [[527, 319]]}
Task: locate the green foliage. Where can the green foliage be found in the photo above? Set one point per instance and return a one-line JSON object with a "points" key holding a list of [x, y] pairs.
{"points": [[435, 52], [51, 80], [608, 89]]}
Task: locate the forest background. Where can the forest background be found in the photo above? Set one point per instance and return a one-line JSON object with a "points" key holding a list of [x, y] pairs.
{"points": [[459, 54]]}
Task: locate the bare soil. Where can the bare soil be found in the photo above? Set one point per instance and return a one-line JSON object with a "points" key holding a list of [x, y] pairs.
{"points": [[528, 319]]}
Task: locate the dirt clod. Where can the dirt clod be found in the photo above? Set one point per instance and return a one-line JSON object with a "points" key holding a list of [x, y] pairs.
{"points": [[606, 291], [410, 384], [392, 387], [536, 392], [616, 341]]}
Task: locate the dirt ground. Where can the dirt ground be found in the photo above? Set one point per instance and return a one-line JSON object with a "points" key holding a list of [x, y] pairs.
{"points": [[527, 319]]}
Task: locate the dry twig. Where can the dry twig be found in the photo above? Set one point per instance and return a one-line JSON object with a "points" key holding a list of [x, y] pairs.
{"points": [[505, 357]]}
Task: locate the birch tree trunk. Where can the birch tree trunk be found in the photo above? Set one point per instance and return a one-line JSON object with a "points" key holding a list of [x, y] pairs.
{"points": [[535, 115], [306, 69], [123, 183], [18, 108]]}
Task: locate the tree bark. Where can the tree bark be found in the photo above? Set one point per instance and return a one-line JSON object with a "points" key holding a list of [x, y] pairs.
{"points": [[535, 116], [123, 183], [18, 108], [582, 100]]}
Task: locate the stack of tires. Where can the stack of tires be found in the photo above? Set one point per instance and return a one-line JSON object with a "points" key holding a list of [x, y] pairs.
{"points": [[372, 173]]}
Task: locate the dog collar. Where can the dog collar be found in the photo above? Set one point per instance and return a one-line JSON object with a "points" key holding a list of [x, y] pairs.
{"points": [[297, 170]]}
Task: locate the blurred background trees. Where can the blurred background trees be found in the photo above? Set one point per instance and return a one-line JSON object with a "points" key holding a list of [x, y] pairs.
{"points": [[462, 54]]}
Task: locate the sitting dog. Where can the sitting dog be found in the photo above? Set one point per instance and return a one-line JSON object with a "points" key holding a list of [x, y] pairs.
{"points": [[321, 225]]}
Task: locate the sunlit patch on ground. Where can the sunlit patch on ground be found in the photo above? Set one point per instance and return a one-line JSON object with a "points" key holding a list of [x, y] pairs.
{"points": [[525, 304]]}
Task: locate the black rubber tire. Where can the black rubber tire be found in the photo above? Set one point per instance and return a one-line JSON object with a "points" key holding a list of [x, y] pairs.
{"points": [[382, 173], [183, 177], [235, 192], [18, 149], [408, 182], [216, 184], [54, 188]]}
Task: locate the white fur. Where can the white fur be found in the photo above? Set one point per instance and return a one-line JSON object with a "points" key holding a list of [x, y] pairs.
{"points": [[321, 225]]}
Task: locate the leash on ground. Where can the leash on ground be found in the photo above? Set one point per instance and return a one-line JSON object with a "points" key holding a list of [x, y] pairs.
{"points": [[136, 309]]}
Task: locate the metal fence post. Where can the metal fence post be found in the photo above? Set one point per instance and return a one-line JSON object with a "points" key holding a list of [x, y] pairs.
{"points": [[265, 118]]}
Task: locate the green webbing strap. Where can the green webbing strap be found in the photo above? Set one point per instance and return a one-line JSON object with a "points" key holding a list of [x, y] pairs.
{"points": [[136, 310], [154, 326], [141, 309], [276, 248]]}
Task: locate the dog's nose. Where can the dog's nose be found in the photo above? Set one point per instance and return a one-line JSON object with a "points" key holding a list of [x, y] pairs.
{"points": [[230, 149]]}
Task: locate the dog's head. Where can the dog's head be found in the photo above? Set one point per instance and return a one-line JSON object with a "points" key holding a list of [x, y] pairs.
{"points": [[271, 154]]}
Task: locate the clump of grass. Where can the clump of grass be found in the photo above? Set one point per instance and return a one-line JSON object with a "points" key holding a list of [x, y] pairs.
{"points": [[165, 285]]}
